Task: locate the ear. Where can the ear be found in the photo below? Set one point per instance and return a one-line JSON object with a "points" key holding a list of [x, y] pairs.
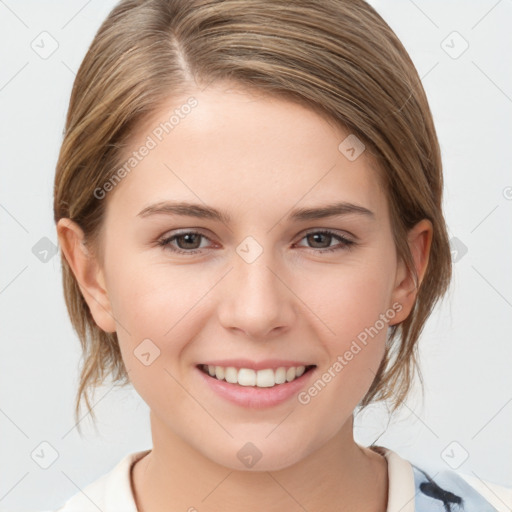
{"points": [[406, 288], [87, 272]]}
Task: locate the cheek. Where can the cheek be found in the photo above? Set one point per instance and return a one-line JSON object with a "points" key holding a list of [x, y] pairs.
{"points": [[349, 300], [156, 310], [352, 306], [356, 314], [149, 299], [159, 309]]}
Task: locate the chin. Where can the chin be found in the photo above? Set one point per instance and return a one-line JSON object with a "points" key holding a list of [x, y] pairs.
{"points": [[257, 456]]}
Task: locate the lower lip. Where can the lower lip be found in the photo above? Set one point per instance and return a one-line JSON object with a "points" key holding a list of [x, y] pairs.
{"points": [[254, 397]]}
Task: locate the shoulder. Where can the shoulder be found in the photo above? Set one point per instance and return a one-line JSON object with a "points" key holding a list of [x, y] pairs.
{"points": [[412, 489], [110, 492]]}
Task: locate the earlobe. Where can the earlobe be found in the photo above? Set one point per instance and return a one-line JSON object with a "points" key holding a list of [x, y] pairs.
{"points": [[406, 285], [87, 272]]}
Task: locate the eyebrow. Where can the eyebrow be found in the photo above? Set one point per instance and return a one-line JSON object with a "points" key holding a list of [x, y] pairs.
{"points": [[187, 209]]}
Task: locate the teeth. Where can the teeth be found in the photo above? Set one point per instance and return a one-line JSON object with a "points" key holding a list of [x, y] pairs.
{"points": [[231, 375], [261, 378], [219, 372], [280, 376], [264, 378], [247, 377]]}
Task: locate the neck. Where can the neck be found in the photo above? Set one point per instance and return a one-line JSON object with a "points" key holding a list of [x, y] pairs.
{"points": [[341, 475]]}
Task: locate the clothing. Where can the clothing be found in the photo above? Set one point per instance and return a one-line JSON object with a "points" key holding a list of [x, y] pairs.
{"points": [[410, 490]]}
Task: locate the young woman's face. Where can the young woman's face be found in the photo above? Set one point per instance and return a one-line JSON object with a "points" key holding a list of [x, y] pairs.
{"points": [[252, 275]]}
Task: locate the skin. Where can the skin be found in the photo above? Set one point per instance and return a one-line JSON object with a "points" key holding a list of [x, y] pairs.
{"points": [[256, 158]]}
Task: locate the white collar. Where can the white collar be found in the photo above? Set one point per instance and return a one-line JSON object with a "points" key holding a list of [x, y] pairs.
{"points": [[113, 491]]}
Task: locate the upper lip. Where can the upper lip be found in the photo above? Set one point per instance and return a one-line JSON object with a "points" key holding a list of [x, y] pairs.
{"points": [[256, 365]]}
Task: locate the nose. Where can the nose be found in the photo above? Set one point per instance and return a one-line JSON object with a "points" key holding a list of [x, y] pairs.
{"points": [[257, 299]]}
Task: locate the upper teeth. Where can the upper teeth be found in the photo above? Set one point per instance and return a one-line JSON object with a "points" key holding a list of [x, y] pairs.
{"points": [[260, 378]]}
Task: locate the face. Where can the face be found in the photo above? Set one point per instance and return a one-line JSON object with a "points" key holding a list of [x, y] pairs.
{"points": [[253, 272]]}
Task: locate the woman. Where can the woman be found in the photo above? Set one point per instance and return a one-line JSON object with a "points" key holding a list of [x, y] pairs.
{"points": [[248, 201]]}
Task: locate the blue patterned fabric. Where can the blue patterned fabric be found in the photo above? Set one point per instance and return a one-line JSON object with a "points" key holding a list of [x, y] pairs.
{"points": [[446, 492]]}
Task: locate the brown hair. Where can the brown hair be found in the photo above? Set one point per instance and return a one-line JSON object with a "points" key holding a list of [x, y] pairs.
{"points": [[338, 57]]}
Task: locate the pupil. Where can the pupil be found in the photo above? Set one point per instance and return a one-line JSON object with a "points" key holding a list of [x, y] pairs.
{"points": [[316, 235], [189, 238]]}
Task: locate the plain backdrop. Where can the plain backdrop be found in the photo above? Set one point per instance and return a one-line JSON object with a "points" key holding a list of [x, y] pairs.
{"points": [[462, 53]]}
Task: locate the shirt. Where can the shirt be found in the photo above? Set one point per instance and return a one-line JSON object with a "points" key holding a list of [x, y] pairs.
{"points": [[410, 489]]}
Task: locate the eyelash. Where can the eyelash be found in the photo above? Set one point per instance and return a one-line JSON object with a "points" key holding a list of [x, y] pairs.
{"points": [[346, 243]]}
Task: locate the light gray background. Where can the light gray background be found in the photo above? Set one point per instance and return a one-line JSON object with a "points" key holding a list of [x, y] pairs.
{"points": [[466, 347]]}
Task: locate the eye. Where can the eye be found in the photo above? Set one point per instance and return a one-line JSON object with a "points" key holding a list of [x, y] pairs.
{"points": [[189, 242], [324, 239]]}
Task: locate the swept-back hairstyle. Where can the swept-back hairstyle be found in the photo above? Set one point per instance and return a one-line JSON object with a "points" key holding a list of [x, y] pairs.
{"points": [[338, 57]]}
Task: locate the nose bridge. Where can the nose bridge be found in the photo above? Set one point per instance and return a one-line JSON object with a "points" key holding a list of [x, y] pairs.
{"points": [[256, 284], [257, 301]]}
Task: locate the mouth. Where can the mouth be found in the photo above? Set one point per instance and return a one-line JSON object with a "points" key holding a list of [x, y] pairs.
{"points": [[264, 378]]}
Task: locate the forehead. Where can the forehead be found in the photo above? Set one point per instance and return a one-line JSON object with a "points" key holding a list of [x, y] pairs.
{"points": [[237, 147]]}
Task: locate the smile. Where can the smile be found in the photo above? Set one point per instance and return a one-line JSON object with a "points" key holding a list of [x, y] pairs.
{"points": [[265, 378]]}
